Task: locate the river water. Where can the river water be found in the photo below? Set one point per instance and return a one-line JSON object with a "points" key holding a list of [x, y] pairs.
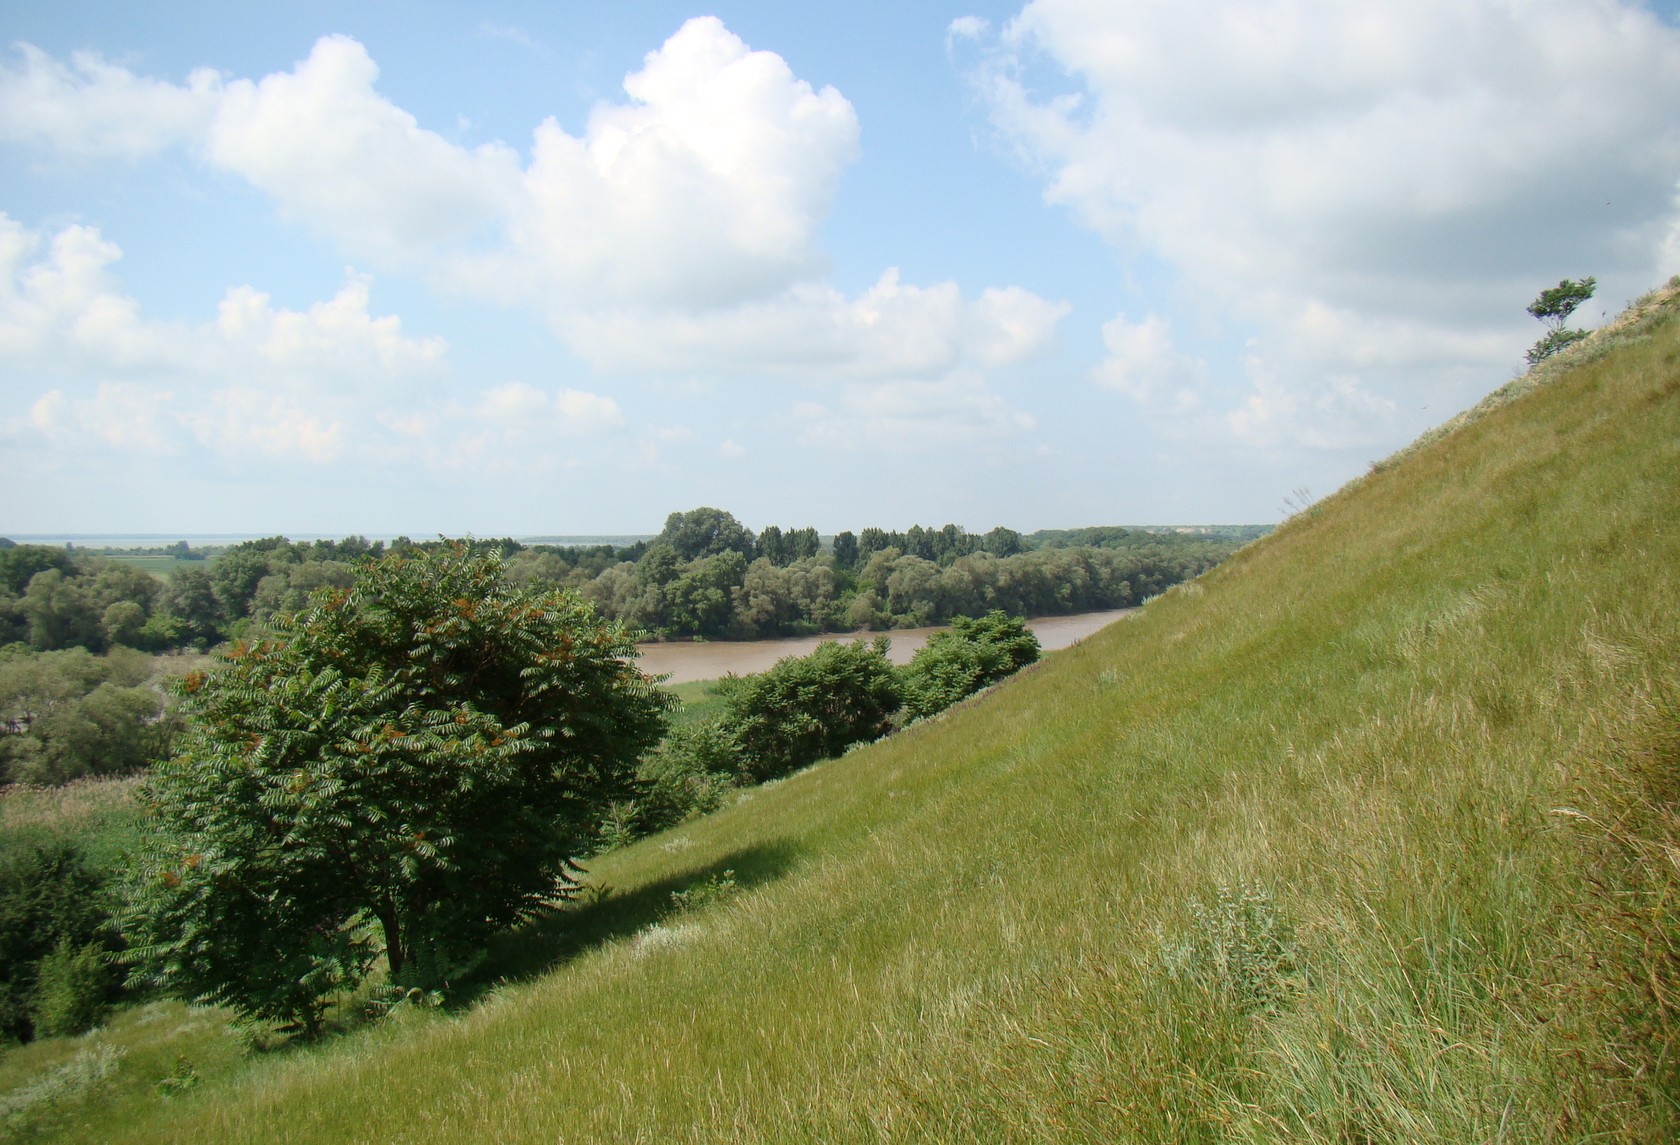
{"points": [[687, 660]]}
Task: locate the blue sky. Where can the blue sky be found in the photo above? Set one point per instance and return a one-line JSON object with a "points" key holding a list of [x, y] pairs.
{"points": [[563, 268]]}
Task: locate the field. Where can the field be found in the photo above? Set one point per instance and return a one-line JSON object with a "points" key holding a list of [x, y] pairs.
{"points": [[158, 566], [1367, 835]]}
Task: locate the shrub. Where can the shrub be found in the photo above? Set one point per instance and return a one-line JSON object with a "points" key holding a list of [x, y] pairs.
{"points": [[409, 768], [968, 656], [811, 707], [48, 900], [72, 987]]}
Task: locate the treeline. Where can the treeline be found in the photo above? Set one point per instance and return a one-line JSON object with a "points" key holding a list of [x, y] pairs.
{"points": [[705, 575], [59, 598]]}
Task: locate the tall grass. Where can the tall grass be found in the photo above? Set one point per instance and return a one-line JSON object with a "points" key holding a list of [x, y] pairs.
{"points": [[1369, 835]]}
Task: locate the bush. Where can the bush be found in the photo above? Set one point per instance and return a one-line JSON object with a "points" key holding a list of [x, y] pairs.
{"points": [[968, 656], [72, 987], [48, 900], [811, 707]]}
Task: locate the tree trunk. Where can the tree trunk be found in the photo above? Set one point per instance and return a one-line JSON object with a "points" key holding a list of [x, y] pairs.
{"points": [[394, 956]]}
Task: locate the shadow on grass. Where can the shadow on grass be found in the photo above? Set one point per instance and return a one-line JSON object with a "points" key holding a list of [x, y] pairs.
{"points": [[558, 937]]}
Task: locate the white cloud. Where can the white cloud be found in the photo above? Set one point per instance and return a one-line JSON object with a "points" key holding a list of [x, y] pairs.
{"points": [[338, 336], [260, 380], [91, 108], [1376, 189], [901, 415], [1144, 365], [341, 158], [520, 410], [238, 422], [678, 232], [119, 415], [815, 331], [62, 313]]}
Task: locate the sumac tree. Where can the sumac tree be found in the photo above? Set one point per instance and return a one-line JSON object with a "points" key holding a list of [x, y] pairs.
{"points": [[409, 766]]}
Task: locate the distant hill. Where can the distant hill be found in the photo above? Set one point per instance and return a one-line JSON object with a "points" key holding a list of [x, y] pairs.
{"points": [[1366, 835]]}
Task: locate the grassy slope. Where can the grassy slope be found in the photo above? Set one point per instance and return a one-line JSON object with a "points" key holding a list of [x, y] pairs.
{"points": [[1434, 716]]}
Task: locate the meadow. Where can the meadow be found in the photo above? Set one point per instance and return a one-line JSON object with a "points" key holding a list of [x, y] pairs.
{"points": [[1368, 834]]}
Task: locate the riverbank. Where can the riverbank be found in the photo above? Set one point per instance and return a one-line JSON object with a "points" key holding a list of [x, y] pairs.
{"points": [[688, 661]]}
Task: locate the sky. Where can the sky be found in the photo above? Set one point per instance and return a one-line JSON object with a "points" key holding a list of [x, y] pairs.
{"points": [[563, 268]]}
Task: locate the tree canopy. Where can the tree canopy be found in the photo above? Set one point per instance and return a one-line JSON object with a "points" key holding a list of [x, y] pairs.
{"points": [[407, 767]]}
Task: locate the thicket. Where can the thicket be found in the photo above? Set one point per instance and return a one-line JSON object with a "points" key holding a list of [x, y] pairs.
{"points": [[54, 941]]}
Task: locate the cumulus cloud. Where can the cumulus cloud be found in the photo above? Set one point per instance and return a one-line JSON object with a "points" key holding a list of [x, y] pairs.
{"points": [[92, 108], [1357, 181], [1143, 364], [814, 331], [62, 312], [259, 380], [677, 232]]}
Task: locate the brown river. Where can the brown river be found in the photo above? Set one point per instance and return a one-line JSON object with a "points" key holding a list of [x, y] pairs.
{"points": [[687, 660]]}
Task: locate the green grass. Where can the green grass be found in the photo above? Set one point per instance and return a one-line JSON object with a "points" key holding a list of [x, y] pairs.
{"points": [[1368, 835], [158, 566], [98, 815], [697, 700]]}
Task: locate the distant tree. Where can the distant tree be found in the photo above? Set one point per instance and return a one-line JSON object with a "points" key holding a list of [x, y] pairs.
{"points": [[410, 767], [1553, 308], [872, 540], [1002, 542], [61, 613], [846, 550], [236, 575], [20, 563], [803, 544], [706, 532], [770, 545], [189, 612], [698, 602]]}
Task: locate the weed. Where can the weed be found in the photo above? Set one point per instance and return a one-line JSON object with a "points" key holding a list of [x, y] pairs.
{"points": [[714, 889], [1240, 946], [59, 1086]]}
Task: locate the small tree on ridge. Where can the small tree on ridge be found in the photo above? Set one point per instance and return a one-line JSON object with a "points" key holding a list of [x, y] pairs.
{"points": [[1554, 307]]}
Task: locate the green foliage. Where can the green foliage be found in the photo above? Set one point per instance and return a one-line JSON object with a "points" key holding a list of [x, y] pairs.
{"points": [[716, 888], [706, 532], [69, 714], [408, 768], [72, 989], [964, 658], [811, 707], [51, 906], [1553, 307], [689, 774]]}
